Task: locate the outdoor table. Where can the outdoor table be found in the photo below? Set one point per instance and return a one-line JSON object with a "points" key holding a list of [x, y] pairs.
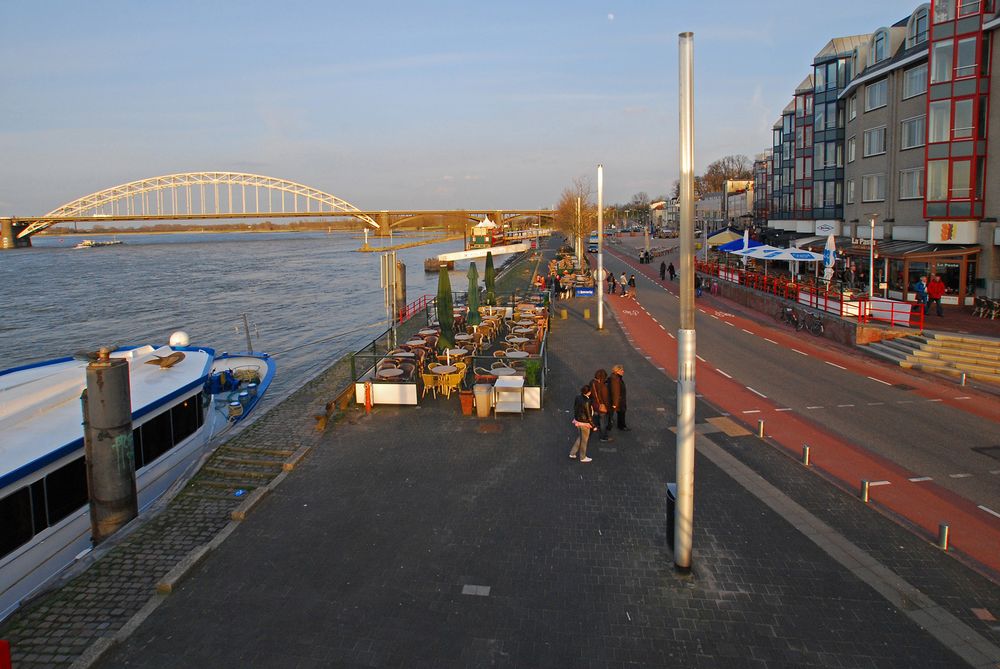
{"points": [[523, 331], [517, 354], [390, 373], [445, 369], [455, 352], [401, 354], [463, 337], [428, 332], [416, 342], [503, 371], [525, 322], [518, 340]]}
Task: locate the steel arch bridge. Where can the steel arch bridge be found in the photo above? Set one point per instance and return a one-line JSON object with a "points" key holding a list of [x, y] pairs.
{"points": [[199, 195]]}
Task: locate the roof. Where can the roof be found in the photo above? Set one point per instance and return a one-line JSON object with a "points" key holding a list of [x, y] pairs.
{"points": [[893, 248], [840, 46], [806, 86]]}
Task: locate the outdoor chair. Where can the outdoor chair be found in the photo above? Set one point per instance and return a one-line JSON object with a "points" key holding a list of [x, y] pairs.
{"points": [[499, 354], [430, 384], [450, 383], [981, 307]]}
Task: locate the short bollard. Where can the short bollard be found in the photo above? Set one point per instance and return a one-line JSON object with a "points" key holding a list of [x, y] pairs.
{"points": [[5, 654], [963, 378], [563, 314], [943, 532], [586, 314], [864, 491], [805, 454], [760, 429]]}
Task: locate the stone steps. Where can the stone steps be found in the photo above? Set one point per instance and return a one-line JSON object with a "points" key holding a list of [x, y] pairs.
{"points": [[951, 355]]}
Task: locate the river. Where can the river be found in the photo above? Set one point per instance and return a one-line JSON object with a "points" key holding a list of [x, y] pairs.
{"points": [[296, 288]]}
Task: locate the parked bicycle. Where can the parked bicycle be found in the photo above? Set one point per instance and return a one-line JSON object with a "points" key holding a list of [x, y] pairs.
{"points": [[791, 316], [814, 323]]}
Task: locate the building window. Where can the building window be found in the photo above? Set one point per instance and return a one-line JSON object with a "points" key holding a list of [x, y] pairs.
{"points": [[916, 30], [944, 10], [875, 95], [967, 7], [819, 118], [850, 191], [915, 81], [913, 131], [961, 182], [850, 149], [939, 122], [852, 107], [965, 60], [878, 50], [911, 184], [874, 141], [819, 78], [962, 123], [873, 188], [941, 61], [937, 180]]}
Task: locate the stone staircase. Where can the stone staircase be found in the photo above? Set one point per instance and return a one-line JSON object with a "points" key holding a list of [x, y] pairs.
{"points": [[978, 358]]}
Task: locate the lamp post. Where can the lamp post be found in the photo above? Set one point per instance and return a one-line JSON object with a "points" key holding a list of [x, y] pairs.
{"points": [[871, 259], [600, 247]]}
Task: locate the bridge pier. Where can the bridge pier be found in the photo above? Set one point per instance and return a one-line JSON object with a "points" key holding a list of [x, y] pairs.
{"points": [[9, 229]]}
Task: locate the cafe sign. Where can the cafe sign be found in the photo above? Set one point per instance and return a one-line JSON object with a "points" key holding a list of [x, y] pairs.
{"points": [[824, 228], [951, 232]]}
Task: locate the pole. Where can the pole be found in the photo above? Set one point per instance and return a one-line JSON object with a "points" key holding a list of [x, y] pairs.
{"points": [[246, 329], [871, 260], [110, 454], [579, 245], [684, 509], [600, 247]]}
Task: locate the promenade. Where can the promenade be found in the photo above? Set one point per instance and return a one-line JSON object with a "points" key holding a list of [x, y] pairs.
{"points": [[421, 537]]}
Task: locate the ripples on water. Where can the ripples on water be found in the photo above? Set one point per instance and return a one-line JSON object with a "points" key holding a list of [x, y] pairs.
{"points": [[296, 288]]}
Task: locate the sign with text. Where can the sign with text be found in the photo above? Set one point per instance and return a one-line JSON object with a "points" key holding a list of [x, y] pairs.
{"points": [[584, 292], [824, 228], [951, 232]]}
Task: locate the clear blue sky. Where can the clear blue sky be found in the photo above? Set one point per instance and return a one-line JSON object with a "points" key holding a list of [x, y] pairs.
{"points": [[394, 105]]}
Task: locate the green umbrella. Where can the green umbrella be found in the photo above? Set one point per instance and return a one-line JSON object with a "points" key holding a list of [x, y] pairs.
{"points": [[491, 278], [473, 318], [446, 317]]}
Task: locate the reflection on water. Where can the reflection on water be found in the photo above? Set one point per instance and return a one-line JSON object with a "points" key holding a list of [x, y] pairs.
{"points": [[296, 288]]}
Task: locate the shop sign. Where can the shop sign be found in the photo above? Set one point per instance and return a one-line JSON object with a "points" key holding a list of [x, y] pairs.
{"points": [[951, 232], [824, 228]]}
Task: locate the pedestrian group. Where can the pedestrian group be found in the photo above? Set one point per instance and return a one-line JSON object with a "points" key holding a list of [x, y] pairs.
{"points": [[600, 406]]}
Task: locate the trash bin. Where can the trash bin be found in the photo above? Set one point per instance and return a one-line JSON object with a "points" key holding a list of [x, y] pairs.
{"points": [[671, 507], [483, 393]]}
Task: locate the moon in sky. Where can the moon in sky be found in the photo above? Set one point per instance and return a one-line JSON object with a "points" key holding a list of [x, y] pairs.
{"points": [[611, 17]]}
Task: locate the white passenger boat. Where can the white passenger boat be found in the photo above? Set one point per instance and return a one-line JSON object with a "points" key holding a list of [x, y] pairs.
{"points": [[180, 408], [91, 244]]}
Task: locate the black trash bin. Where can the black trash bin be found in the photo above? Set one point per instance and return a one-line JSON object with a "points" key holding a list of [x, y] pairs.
{"points": [[671, 509]]}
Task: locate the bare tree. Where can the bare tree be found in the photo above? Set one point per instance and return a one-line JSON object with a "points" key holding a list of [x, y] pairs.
{"points": [[565, 214], [729, 168]]}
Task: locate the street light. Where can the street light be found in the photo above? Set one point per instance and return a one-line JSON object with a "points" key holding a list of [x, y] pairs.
{"points": [[871, 259]]}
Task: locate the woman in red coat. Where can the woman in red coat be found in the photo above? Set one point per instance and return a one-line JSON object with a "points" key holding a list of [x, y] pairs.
{"points": [[935, 290]]}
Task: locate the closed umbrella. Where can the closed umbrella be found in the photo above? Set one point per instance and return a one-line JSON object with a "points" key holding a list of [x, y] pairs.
{"points": [[491, 278], [473, 318], [829, 258], [446, 318]]}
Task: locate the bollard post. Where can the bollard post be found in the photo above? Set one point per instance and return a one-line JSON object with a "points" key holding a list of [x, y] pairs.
{"points": [[368, 397], [963, 379], [864, 491], [5, 662], [563, 315], [586, 314], [805, 454], [760, 428], [943, 531]]}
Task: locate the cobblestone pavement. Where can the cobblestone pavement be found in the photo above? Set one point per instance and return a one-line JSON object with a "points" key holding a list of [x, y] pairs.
{"points": [[418, 537]]}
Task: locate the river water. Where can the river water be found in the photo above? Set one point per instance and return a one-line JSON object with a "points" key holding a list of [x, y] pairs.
{"points": [[296, 288]]}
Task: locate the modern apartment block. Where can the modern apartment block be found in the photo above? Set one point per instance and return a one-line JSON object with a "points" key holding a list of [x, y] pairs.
{"points": [[899, 151]]}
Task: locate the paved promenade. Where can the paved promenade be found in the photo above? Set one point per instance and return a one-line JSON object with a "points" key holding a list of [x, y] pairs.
{"points": [[419, 537]]}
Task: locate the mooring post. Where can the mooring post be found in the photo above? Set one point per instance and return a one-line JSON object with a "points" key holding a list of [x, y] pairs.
{"points": [[805, 454], [110, 455], [864, 491], [760, 428], [943, 532]]}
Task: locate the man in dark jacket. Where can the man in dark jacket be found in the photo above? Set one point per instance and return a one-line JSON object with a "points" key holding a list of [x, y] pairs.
{"points": [[601, 401], [619, 403], [663, 270]]}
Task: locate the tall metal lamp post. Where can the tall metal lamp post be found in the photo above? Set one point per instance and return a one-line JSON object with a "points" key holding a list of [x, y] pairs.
{"points": [[600, 247], [871, 259]]}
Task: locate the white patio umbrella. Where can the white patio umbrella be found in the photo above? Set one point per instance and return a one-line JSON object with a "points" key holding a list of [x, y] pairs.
{"points": [[829, 258]]}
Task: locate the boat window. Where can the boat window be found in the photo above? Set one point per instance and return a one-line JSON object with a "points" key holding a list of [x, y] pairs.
{"points": [[186, 418], [157, 438], [15, 509], [38, 506], [140, 461], [66, 490]]}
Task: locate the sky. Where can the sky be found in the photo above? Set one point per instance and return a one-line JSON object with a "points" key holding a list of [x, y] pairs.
{"points": [[396, 105]]}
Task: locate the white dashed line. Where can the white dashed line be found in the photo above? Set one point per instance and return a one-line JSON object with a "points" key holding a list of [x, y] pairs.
{"points": [[800, 352], [756, 392], [833, 364], [747, 331], [770, 340], [995, 471], [920, 479], [814, 407], [729, 324], [959, 476], [872, 484], [936, 400], [671, 335], [700, 358], [784, 409], [723, 373], [963, 397], [841, 406], [989, 511], [886, 383], [714, 316], [752, 411]]}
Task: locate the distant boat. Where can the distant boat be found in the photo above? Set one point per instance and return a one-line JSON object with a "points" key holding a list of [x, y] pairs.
{"points": [[90, 243]]}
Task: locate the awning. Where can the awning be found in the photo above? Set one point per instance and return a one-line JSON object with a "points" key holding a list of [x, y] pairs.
{"points": [[720, 238], [892, 248]]}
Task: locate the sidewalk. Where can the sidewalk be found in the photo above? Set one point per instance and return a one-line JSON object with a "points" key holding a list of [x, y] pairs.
{"points": [[419, 537]]}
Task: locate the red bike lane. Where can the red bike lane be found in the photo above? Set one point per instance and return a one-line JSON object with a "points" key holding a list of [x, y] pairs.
{"points": [[973, 532]]}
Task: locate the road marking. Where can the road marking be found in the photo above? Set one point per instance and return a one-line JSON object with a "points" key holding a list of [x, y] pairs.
{"points": [[959, 476], [800, 352], [661, 369], [833, 364], [875, 404], [770, 340], [872, 484], [723, 373], [700, 358], [752, 411], [841, 406], [756, 392], [661, 326], [920, 479], [963, 397], [995, 471], [880, 381], [714, 316], [937, 400], [989, 511], [669, 334], [732, 325], [814, 407], [649, 357], [747, 331], [784, 409]]}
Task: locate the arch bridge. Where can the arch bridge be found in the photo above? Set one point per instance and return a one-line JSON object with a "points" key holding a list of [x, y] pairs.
{"points": [[228, 195]]}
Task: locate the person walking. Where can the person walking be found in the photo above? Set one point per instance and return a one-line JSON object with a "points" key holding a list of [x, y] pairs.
{"points": [[624, 284], [618, 397], [663, 271], [611, 283], [583, 420], [631, 287], [935, 291], [920, 288], [671, 271], [556, 288], [601, 403]]}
